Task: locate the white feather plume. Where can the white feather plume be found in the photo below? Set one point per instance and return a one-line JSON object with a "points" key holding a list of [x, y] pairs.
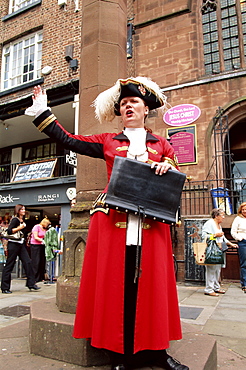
{"points": [[105, 102]]}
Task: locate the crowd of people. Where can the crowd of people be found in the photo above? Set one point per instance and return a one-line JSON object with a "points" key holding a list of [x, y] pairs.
{"points": [[212, 229], [35, 257], [16, 247]]}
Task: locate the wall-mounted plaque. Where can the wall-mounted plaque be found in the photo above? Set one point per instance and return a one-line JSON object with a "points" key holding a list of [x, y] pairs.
{"points": [[183, 141]]}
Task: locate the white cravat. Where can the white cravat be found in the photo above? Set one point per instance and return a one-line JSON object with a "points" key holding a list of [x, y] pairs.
{"points": [[137, 147], [137, 150]]}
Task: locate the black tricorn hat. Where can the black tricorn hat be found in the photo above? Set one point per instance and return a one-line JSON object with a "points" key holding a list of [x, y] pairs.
{"points": [[107, 103]]}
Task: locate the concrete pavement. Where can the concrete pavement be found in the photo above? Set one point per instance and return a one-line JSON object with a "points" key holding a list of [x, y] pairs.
{"points": [[222, 318]]}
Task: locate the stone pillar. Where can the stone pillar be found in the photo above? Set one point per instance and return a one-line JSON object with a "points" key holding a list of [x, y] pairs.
{"points": [[103, 61]]}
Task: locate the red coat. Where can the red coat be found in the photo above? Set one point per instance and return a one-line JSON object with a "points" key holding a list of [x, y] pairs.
{"points": [[100, 308]]}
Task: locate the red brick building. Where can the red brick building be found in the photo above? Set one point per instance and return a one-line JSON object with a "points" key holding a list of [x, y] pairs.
{"points": [[195, 50]]}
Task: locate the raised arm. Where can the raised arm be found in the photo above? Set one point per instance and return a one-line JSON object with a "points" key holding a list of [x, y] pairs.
{"points": [[46, 122]]}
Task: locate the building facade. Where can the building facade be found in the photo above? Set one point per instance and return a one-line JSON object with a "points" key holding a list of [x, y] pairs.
{"points": [[32, 53], [195, 50]]}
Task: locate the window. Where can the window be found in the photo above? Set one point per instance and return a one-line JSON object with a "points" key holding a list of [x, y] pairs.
{"points": [[22, 61], [15, 5], [39, 152], [224, 35]]}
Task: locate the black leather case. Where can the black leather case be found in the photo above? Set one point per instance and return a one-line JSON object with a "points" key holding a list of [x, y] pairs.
{"points": [[134, 187]]}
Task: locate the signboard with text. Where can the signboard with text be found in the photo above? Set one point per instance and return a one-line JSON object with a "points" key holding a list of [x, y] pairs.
{"points": [[183, 141], [34, 170], [181, 115], [42, 194]]}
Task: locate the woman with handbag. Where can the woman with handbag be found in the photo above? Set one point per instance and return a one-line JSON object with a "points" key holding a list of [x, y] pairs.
{"points": [[238, 232], [16, 247], [127, 301], [212, 229]]}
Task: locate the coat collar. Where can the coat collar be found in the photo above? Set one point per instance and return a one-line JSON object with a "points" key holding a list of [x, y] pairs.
{"points": [[123, 137]]}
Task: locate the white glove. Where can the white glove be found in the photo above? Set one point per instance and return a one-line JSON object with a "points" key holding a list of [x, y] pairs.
{"points": [[39, 103]]}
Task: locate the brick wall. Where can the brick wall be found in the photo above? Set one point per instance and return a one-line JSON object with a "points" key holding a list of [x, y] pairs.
{"points": [[61, 27], [168, 47]]}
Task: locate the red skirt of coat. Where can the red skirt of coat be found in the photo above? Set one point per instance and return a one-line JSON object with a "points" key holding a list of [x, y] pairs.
{"points": [[100, 307]]}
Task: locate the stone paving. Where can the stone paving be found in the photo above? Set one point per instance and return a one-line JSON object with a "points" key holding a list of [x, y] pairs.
{"points": [[222, 318]]}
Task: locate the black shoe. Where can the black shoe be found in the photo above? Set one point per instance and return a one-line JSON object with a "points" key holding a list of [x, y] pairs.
{"points": [[119, 367], [6, 291], [170, 363], [34, 287]]}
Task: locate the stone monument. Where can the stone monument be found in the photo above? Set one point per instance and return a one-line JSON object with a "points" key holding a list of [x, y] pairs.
{"points": [[103, 61]]}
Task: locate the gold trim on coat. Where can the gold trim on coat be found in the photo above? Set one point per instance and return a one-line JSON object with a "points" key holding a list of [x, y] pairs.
{"points": [[46, 122]]}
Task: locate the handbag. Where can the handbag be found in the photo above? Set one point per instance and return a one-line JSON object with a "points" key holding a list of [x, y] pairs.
{"points": [[16, 236], [213, 254], [135, 188], [199, 252]]}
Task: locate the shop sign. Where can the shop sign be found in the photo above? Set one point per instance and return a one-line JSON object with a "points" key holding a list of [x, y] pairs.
{"points": [[43, 198], [34, 170], [71, 159], [7, 199], [182, 115]]}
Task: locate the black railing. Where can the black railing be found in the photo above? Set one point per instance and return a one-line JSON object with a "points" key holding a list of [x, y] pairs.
{"points": [[61, 169], [200, 197]]}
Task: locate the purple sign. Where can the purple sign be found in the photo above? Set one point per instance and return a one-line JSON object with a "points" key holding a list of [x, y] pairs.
{"points": [[182, 115], [184, 147]]}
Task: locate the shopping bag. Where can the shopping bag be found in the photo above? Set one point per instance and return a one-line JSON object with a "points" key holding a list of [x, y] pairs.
{"points": [[199, 252], [213, 254]]}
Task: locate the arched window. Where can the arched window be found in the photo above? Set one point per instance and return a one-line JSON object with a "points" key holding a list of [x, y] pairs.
{"points": [[224, 35]]}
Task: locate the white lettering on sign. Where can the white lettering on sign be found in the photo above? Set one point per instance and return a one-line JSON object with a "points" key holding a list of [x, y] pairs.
{"points": [[47, 197], [182, 115], [32, 171], [71, 159], [7, 199]]}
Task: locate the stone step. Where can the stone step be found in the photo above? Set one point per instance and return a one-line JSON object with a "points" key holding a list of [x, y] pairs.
{"points": [[51, 336]]}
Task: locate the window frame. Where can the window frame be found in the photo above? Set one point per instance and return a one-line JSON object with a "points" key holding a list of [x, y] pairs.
{"points": [[19, 5], [16, 57], [226, 64]]}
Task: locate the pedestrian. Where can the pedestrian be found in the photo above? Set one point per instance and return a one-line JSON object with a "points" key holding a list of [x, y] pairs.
{"points": [[238, 232], [132, 317], [212, 228], [38, 249], [51, 243], [17, 248]]}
